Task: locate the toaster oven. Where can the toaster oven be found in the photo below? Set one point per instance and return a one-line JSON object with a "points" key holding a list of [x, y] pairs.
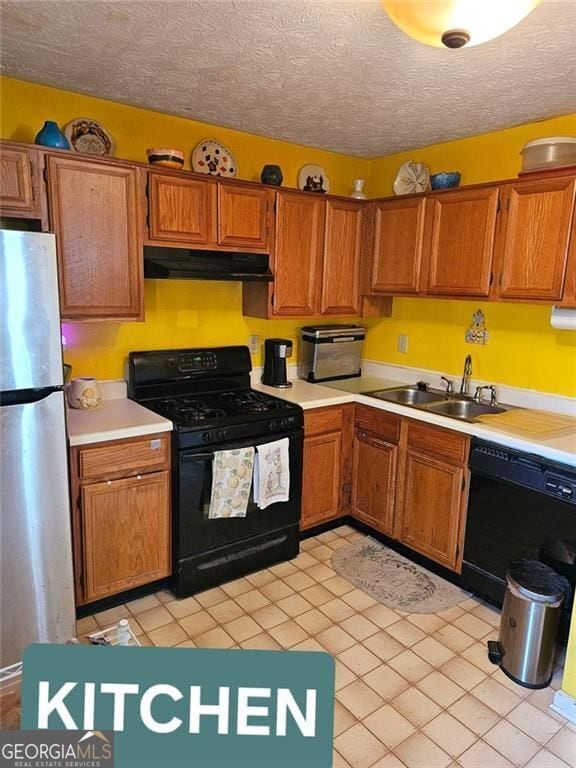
{"points": [[330, 352]]}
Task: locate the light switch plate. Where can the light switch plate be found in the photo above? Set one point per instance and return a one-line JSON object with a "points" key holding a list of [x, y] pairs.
{"points": [[402, 342], [254, 344]]}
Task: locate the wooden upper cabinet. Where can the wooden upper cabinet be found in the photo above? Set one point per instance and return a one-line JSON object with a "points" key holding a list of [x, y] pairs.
{"points": [[342, 250], [298, 253], [244, 215], [16, 188], [95, 216], [180, 209], [398, 243], [535, 238], [461, 227]]}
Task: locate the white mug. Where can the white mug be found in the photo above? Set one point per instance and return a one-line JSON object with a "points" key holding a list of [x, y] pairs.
{"points": [[84, 393]]}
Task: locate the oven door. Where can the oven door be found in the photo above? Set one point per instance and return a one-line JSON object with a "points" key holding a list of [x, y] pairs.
{"points": [[195, 533]]}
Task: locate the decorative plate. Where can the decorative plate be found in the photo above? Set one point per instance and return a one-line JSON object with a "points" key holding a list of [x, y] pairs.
{"points": [[215, 159], [313, 178], [90, 136], [411, 179]]}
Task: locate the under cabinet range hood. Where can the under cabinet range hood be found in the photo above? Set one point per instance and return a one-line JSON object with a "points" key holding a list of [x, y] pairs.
{"points": [[183, 263]]}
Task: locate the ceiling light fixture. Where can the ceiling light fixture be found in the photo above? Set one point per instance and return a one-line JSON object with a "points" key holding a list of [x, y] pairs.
{"points": [[456, 23]]}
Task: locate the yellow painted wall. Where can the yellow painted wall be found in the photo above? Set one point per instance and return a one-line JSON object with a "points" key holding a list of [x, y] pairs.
{"points": [[178, 313], [569, 679], [488, 157], [523, 350]]}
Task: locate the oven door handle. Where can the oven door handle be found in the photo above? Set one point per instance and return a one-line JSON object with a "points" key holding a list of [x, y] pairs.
{"points": [[197, 456]]}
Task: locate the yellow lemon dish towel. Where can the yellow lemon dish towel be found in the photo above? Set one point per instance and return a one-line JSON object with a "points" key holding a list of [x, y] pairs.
{"points": [[231, 482]]}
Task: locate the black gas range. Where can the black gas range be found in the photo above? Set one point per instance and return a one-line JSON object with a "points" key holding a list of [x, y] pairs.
{"points": [[206, 394]]}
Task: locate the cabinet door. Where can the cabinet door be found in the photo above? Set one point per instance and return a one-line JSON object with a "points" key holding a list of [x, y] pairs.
{"points": [[126, 533], [535, 238], [461, 227], [322, 478], [298, 253], [398, 243], [180, 209], [243, 216], [341, 267], [374, 482], [16, 189], [432, 508], [94, 213]]}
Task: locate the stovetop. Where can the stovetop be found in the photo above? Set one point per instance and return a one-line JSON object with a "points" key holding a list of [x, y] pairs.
{"points": [[206, 394], [219, 408]]}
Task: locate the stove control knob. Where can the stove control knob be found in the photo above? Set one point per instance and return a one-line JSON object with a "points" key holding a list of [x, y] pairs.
{"points": [[271, 426], [221, 434], [206, 436]]}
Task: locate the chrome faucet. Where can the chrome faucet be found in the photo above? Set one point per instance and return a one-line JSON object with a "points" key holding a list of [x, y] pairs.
{"points": [[493, 396], [466, 376], [449, 385]]}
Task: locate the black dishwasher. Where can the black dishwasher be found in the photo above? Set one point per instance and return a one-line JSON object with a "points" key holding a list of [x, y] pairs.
{"points": [[519, 506]]}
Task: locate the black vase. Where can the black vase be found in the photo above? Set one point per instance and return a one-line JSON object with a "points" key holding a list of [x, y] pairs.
{"points": [[271, 174]]}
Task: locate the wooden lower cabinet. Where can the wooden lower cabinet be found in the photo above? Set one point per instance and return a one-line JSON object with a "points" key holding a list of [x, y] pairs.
{"points": [[374, 481], [431, 508], [410, 483], [121, 518], [326, 478], [126, 537]]}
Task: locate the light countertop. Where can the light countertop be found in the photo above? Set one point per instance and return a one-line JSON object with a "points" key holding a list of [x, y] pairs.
{"points": [[120, 417], [560, 449], [114, 419]]}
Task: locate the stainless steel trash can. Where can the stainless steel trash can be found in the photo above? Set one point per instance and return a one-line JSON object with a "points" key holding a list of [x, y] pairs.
{"points": [[529, 623]]}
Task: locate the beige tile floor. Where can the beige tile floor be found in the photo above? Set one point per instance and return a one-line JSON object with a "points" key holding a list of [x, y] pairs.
{"points": [[413, 690]]}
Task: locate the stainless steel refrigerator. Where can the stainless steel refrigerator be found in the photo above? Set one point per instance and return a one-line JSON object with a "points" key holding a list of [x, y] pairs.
{"points": [[36, 582]]}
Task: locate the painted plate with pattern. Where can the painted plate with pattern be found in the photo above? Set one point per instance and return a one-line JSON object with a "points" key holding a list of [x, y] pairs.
{"points": [[412, 178], [90, 136], [214, 159]]}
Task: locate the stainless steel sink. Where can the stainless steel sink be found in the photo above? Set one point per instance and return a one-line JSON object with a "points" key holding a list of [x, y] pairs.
{"points": [[436, 401], [408, 396], [466, 410]]}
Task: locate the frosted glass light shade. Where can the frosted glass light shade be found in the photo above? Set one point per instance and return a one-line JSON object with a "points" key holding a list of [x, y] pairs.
{"points": [[482, 20]]}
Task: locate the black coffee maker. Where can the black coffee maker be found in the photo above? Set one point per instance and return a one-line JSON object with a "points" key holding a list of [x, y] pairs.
{"points": [[276, 351]]}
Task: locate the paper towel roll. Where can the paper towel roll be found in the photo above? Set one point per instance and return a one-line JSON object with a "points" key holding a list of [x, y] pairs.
{"points": [[563, 319]]}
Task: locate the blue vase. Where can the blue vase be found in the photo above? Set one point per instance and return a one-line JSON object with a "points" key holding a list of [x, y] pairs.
{"points": [[51, 136]]}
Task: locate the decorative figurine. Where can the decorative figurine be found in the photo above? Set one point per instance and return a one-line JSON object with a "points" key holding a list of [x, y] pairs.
{"points": [[314, 184]]}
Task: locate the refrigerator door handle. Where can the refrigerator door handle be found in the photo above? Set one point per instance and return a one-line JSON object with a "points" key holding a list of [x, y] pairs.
{"points": [[26, 396]]}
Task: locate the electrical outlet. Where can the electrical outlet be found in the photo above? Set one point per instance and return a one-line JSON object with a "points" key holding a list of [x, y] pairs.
{"points": [[402, 342], [254, 344]]}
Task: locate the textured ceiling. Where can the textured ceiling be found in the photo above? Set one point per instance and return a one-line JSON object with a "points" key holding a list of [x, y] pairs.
{"points": [[335, 74]]}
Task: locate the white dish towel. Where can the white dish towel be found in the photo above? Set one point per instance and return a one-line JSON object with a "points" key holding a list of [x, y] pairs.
{"points": [[231, 480], [272, 473]]}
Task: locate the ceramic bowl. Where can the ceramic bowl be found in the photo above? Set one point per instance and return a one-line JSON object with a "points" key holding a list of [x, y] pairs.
{"points": [[168, 158], [445, 180]]}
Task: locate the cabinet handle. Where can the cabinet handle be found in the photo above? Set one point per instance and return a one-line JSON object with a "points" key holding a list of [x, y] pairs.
{"points": [[109, 482], [138, 477]]}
